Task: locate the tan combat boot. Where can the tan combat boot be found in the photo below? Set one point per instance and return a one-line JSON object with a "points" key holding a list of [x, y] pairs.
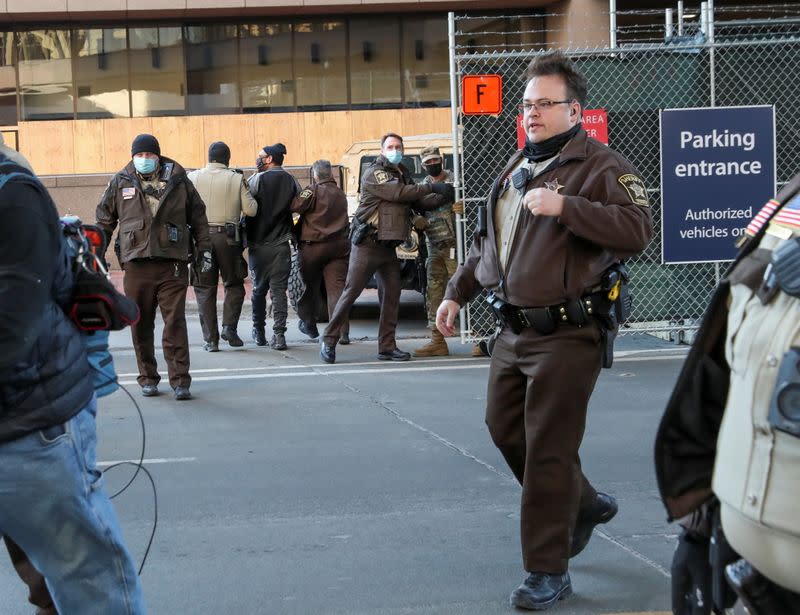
{"points": [[437, 347]]}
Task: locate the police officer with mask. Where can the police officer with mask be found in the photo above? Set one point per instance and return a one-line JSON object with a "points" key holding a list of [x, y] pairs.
{"points": [[560, 217], [381, 223], [154, 204], [227, 197]]}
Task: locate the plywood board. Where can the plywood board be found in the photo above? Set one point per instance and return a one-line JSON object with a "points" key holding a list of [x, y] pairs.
{"points": [[89, 146], [286, 128], [237, 132], [48, 146], [181, 138], [118, 134]]}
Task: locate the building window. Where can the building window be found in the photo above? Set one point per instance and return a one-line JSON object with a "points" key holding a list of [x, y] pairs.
{"points": [[212, 69], [101, 73], [266, 60], [426, 63], [374, 62], [320, 64], [157, 73], [8, 81], [45, 75]]}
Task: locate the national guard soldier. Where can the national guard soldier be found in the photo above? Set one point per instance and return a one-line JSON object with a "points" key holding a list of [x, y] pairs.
{"points": [[227, 198], [440, 241], [560, 217], [323, 244], [157, 209], [381, 223], [728, 447]]}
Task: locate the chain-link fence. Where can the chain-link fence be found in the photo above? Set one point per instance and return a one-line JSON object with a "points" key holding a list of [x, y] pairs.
{"points": [[742, 56]]}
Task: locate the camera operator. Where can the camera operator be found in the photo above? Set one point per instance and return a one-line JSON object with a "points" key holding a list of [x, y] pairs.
{"points": [[52, 502]]}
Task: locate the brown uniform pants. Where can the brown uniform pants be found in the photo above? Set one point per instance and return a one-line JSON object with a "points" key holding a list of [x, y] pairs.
{"points": [[365, 259], [38, 594], [152, 284], [538, 393], [326, 260], [229, 263]]}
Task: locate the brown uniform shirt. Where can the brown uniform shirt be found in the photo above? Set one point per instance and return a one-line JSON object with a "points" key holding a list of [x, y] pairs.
{"points": [[606, 218], [323, 211], [165, 234], [389, 192]]}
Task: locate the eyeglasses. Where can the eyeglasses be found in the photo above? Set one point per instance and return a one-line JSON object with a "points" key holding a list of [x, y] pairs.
{"points": [[542, 105]]}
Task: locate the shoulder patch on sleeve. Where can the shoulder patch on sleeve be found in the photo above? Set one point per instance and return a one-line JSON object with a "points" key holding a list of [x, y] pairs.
{"points": [[306, 193], [382, 177], [634, 186]]}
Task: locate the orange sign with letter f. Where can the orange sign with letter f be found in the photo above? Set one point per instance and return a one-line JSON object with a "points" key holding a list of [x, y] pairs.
{"points": [[481, 94]]}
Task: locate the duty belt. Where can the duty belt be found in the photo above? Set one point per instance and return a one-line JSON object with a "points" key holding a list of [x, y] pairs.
{"points": [[545, 320]]}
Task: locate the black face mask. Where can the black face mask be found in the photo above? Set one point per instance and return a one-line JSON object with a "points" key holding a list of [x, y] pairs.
{"points": [[548, 148], [434, 170]]}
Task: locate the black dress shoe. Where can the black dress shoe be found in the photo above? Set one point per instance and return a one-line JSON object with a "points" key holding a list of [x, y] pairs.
{"points": [[394, 355], [540, 591], [602, 510], [327, 352], [308, 329], [344, 340], [182, 393], [259, 337], [211, 346], [230, 335], [149, 390]]}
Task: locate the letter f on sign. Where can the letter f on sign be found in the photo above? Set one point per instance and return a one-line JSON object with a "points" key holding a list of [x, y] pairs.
{"points": [[479, 91]]}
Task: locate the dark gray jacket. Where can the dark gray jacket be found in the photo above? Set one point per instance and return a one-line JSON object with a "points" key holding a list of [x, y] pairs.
{"points": [[45, 377]]}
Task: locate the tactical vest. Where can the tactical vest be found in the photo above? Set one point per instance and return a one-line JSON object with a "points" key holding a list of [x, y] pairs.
{"points": [[757, 467]]}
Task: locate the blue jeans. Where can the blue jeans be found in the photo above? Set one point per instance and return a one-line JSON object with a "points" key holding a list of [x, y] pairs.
{"points": [[52, 504]]}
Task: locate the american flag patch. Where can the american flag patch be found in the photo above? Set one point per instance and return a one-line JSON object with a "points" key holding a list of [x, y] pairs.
{"points": [[789, 215], [761, 217]]}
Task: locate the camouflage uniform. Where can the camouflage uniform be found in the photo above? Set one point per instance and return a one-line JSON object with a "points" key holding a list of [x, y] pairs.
{"points": [[440, 239]]}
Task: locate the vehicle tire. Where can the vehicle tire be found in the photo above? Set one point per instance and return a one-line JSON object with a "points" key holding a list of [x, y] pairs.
{"points": [[296, 287]]}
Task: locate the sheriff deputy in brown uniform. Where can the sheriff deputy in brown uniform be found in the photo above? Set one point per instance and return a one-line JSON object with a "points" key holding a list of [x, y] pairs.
{"points": [[381, 223], [564, 210], [153, 202], [324, 246], [227, 197]]}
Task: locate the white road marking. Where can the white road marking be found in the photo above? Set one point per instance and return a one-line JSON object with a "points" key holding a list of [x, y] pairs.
{"points": [[323, 372], [236, 373], [145, 462]]}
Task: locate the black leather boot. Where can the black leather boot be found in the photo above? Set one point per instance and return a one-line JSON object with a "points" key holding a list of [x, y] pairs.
{"points": [[540, 591]]}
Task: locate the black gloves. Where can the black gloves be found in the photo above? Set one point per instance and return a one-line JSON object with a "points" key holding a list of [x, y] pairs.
{"points": [[446, 190], [691, 576]]}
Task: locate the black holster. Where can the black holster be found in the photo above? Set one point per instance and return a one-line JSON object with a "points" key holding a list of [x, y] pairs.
{"points": [[359, 231]]}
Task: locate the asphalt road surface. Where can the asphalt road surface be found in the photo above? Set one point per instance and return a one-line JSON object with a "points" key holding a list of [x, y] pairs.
{"points": [[288, 486]]}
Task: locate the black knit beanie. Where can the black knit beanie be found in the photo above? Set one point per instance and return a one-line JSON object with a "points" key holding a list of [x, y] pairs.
{"points": [[145, 143], [219, 152]]}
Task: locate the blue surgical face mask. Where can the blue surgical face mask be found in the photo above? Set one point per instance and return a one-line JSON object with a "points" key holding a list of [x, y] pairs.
{"points": [[145, 166], [395, 156]]}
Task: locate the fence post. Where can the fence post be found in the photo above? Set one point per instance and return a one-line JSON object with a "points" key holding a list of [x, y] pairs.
{"points": [[451, 38]]}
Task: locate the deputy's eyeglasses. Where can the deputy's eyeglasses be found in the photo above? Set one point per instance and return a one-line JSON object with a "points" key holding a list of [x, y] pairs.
{"points": [[542, 105]]}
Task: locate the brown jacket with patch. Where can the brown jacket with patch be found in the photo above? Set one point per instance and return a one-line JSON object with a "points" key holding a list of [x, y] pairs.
{"points": [[323, 211], [180, 212], [606, 218], [390, 192]]}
